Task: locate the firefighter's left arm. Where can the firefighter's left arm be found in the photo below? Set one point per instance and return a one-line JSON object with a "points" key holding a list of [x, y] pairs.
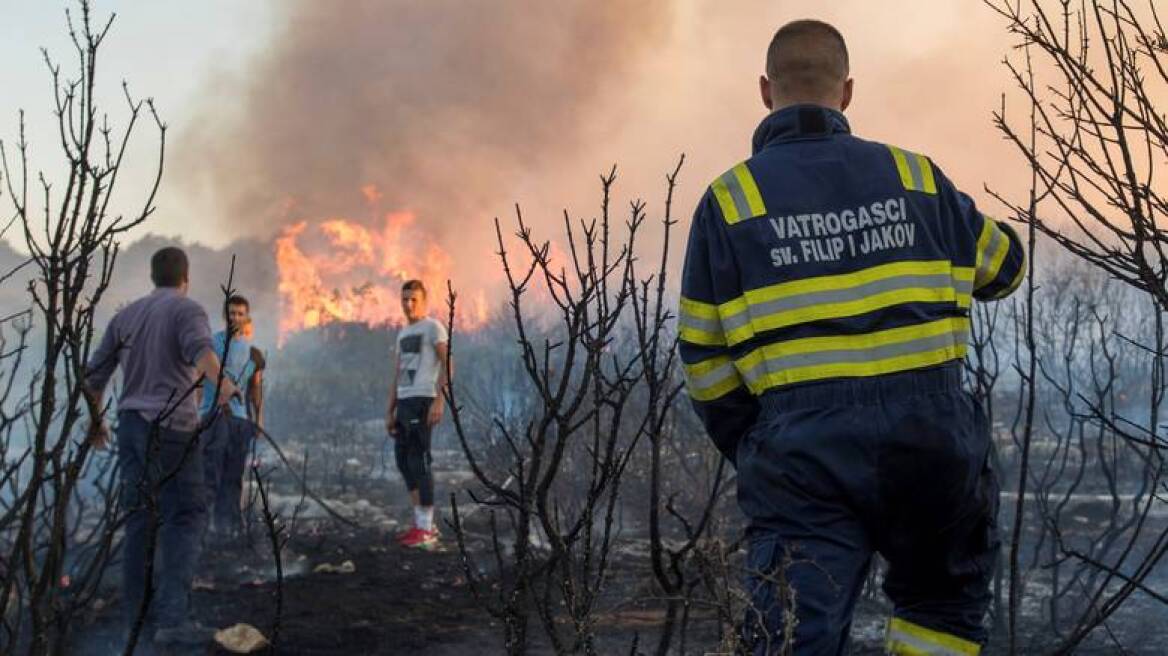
{"points": [[999, 254], [710, 279], [1001, 257]]}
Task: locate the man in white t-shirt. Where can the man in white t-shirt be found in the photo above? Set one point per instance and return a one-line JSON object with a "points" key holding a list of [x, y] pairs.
{"points": [[415, 407]]}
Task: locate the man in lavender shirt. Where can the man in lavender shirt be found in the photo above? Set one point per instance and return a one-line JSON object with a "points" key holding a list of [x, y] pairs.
{"points": [[163, 344]]}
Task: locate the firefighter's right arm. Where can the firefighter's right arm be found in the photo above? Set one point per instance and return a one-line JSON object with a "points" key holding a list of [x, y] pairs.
{"points": [[710, 278]]}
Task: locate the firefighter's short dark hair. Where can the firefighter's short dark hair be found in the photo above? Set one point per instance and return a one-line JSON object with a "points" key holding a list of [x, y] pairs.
{"points": [[169, 267], [807, 57], [414, 285]]}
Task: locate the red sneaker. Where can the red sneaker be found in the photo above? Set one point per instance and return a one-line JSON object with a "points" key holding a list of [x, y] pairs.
{"points": [[427, 540], [408, 534]]}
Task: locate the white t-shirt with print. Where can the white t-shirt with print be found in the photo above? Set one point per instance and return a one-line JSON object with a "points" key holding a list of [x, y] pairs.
{"points": [[417, 361]]}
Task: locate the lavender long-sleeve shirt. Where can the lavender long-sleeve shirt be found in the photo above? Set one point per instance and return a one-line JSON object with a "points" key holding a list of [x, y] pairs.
{"points": [[156, 340]]}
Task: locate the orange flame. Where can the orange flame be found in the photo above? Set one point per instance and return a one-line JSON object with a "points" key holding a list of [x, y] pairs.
{"points": [[341, 270]]}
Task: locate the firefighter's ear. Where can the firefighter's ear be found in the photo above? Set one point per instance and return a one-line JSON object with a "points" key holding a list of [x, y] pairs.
{"points": [[764, 88], [847, 98]]}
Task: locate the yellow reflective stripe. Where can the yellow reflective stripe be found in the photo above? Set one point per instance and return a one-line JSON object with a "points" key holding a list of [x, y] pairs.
{"points": [[826, 297], [854, 307], [1014, 284], [738, 195], [710, 379], [735, 316], [857, 370], [692, 335], [964, 278], [739, 334], [698, 309], [963, 274], [934, 281], [698, 323], [993, 245], [870, 354], [846, 280], [718, 391], [904, 637], [862, 341], [750, 190], [731, 308], [930, 183], [699, 369], [725, 200], [983, 239], [906, 177], [995, 264], [916, 172]]}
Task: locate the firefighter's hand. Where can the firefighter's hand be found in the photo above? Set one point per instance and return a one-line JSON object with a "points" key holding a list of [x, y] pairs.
{"points": [[98, 434], [391, 423], [435, 414]]}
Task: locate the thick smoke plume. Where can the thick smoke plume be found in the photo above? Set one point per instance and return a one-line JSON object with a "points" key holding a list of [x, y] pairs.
{"points": [[446, 106]]}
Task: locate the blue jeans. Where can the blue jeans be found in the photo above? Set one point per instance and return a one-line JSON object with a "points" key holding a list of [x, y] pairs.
{"points": [[229, 441], [148, 454]]}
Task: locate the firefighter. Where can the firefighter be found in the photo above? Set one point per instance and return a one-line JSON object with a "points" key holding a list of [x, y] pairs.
{"points": [[823, 322]]}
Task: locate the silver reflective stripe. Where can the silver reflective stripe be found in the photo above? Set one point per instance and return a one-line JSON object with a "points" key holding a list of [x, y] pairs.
{"points": [[853, 356], [687, 320], [963, 287], [983, 269], [735, 321], [928, 281], [712, 378], [914, 168], [739, 196]]}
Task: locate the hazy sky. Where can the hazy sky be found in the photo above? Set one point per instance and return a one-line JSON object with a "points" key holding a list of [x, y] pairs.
{"points": [[927, 76], [166, 50]]}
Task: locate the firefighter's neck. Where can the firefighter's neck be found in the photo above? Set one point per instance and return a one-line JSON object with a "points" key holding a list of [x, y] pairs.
{"points": [[775, 99]]}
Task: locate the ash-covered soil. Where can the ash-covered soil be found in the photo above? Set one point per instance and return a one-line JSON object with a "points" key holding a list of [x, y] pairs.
{"points": [[401, 601], [397, 601]]}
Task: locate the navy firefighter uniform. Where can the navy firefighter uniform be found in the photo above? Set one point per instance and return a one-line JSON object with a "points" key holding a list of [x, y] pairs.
{"points": [[823, 320]]}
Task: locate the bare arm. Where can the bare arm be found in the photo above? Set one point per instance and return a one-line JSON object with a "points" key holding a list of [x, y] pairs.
{"points": [[391, 408], [445, 366], [255, 398], [97, 433], [98, 371]]}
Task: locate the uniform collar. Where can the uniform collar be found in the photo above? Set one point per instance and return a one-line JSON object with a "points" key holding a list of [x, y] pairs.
{"points": [[799, 122]]}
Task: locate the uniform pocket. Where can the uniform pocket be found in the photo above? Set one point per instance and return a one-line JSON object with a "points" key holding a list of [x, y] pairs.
{"points": [[987, 537]]}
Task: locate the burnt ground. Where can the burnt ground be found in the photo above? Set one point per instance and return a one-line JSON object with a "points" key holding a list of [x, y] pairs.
{"points": [[402, 601], [396, 601]]}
